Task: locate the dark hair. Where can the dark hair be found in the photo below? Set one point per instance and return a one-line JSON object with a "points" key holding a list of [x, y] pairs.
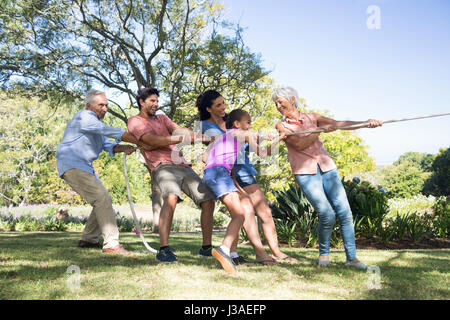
{"points": [[205, 100], [235, 115], [144, 93]]}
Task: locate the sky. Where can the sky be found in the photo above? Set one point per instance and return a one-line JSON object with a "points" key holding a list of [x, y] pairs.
{"points": [[359, 59]]}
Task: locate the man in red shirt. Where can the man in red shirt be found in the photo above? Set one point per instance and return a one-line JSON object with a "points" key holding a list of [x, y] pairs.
{"points": [[170, 170]]}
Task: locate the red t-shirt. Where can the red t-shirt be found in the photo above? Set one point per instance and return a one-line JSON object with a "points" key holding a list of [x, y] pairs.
{"points": [[159, 125]]}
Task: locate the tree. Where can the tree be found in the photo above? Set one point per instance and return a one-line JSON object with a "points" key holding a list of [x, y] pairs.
{"points": [[349, 152], [60, 48], [28, 140], [438, 184], [403, 180], [422, 160], [29, 136]]}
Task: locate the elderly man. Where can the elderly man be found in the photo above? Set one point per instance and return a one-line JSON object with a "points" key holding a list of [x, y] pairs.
{"points": [[84, 138], [170, 170]]}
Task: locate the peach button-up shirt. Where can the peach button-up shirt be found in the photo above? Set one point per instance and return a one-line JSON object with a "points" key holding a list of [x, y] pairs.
{"points": [[306, 161]]}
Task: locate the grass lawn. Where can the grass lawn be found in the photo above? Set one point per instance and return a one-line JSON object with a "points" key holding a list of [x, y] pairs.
{"points": [[33, 265]]}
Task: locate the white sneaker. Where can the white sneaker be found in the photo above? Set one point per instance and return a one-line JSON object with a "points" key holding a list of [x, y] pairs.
{"points": [[358, 265], [324, 263]]}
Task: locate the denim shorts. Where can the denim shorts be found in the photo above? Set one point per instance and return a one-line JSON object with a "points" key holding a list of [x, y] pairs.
{"points": [[245, 180], [219, 181]]}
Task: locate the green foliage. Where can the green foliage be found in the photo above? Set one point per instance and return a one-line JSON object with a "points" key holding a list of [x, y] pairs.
{"points": [[7, 225], [220, 219], [51, 223], [423, 161], [441, 217], [286, 231], [399, 225], [415, 172], [441, 206], [403, 180], [29, 134], [416, 227], [294, 216], [291, 204], [348, 152], [366, 203], [125, 224], [60, 48], [438, 184]]}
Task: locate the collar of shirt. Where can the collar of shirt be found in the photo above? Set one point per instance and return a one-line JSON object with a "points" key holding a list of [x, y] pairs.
{"points": [[300, 119]]}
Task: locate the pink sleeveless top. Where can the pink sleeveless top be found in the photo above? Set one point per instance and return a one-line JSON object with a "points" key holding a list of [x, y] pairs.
{"points": [[224, 151], [306, 161]]}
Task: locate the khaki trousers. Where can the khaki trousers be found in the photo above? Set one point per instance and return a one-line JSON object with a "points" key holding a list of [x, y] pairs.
{"points": [[102, 220]]}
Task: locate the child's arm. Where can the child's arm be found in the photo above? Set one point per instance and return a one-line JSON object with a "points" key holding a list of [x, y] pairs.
{"points": [[263, 153], [252, 139], [208, 150]]}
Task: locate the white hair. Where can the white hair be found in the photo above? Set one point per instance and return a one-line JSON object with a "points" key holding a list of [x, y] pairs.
{"points": [[287, 93], [91, 94]]}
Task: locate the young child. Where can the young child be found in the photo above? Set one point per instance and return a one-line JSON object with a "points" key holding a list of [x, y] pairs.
{"points": [[220, 157]]}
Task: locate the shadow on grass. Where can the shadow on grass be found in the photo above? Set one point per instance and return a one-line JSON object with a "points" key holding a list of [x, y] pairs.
{"points": [[27, 257], [421, 278], [414, 281]]}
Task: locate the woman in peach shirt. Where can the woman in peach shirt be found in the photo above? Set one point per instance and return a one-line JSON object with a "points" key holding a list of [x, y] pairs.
{"points": [[316, 172]]}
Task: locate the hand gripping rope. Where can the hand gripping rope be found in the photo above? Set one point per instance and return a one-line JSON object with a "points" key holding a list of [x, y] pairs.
{"points": [[365, 124], [136, 221]]}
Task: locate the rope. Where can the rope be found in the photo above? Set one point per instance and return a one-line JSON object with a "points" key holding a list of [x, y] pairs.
{"points": [[136, 221], [365, 124]]}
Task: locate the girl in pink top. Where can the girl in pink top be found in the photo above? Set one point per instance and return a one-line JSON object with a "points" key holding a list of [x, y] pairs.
{"points": [[316, 172], [220, 158], [225, 151]]}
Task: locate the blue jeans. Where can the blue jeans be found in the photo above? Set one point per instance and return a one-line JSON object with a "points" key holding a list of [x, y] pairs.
{"points": [[325, 192]]}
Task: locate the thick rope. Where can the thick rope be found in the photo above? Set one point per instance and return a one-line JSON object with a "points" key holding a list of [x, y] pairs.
{"points": [[366, 124], [136, 221]]}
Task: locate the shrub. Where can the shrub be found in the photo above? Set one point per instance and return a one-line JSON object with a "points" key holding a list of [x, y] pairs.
{"points": [[293, 209], [438, 183], [220, 219], [403, 180], [286, 231], [441, 206], [6, 225], [124, 224], [441, 217], [291, 204], [441, 226], [367, 204], [50, 223], [416, 227], [74, 226], [399, 225]]}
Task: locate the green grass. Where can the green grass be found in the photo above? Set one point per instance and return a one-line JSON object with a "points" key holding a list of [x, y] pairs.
{"points": [[33, 265]]}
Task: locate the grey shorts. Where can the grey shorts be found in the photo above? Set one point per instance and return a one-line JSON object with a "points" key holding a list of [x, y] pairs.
{"points": [[174, 178]]}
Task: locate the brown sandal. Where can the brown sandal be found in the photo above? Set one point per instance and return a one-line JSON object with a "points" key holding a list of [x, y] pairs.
{"points": [[271, 262]]}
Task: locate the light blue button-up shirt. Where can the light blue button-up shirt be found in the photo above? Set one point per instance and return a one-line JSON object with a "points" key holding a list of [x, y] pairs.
{"points": [[84, 138]]}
